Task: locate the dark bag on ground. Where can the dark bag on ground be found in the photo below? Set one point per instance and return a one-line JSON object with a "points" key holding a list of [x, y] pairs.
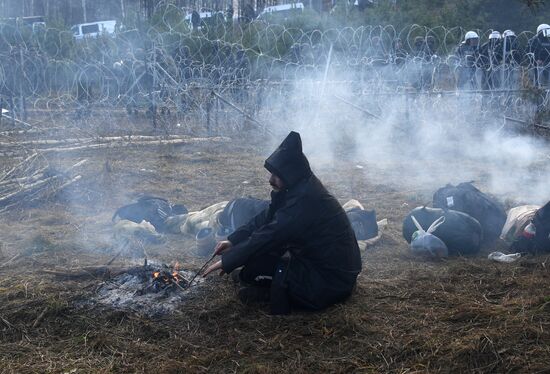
{"points": [[468, 199], [240, 211], [536, 236], [152, 209], [461, 233], [363, 223]]}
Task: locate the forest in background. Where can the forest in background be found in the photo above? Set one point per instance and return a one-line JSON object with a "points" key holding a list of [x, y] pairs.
{"points": [[519, 15]]}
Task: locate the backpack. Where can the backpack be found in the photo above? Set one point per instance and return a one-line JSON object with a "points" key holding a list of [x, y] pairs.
{"points": [[363, 223], [461, 233], [467, 199]]}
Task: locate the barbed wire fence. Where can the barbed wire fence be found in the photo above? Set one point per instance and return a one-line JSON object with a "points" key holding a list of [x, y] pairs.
{"points": [[223, 78]]}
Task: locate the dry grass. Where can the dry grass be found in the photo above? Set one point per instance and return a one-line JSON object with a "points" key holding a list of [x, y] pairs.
{"points": [[407, 315]]}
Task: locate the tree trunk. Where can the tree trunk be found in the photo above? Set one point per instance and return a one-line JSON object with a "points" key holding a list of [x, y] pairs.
{"points": [[84, 11], [122, 10], [235, 11]]}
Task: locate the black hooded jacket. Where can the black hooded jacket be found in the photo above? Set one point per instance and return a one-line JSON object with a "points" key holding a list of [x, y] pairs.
{"points": [[309, 222]]}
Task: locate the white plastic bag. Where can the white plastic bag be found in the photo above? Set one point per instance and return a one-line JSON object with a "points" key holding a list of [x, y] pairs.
{"points": [[425, 243], [501, 257]]}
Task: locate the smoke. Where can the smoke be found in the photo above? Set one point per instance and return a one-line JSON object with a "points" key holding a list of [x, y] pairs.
{"points": [[416, 141]]}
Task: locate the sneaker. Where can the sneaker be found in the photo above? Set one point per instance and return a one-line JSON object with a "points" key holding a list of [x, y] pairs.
{"points": [[253, 294]]}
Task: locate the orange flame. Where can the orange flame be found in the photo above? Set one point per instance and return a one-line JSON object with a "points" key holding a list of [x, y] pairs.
{"points": [[175, 272]]}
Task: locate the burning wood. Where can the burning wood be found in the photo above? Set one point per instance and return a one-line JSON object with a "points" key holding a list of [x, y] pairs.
{"points": [[163, 280]]}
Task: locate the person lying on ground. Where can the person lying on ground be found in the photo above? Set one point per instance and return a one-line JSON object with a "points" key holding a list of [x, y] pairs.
{"points": [[223, 217]]}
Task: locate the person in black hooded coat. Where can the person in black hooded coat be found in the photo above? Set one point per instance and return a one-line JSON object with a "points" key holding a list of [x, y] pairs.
{"points": [[303, 241]]}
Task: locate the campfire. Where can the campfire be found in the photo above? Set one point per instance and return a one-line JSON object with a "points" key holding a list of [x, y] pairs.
{"points": [[152, 289], [164, 280]]}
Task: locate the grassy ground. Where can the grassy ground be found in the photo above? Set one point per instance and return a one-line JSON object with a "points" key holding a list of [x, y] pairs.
{"points": [[407, 314]]}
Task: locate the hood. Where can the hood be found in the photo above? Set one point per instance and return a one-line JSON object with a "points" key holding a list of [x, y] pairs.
{"points": [[288, 161]]}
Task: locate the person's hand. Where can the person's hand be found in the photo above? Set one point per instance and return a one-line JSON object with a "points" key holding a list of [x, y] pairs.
{"points": [[215, 266], [222, 246]]}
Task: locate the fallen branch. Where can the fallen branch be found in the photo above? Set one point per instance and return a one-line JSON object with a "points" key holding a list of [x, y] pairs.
{"points": [[27, 189], [130, 144], [40, 318], [68, 183], [7, 323], [41, 185], [27, 160], [357, 107], [542, 127], [38, 143], [114, 258], [101, 139], [88, 272], [22, 180], [17, 120], [8, 189], [122, 248], [32, 131], [515, 120], [241, 111], [77, 165], [56, 190], [17, 256]]}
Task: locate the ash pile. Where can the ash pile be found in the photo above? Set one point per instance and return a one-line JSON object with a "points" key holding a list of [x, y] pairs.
{"points": [[151, 289]]}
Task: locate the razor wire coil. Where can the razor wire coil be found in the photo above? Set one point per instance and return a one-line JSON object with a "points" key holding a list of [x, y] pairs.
{"points": [[173, 68]]}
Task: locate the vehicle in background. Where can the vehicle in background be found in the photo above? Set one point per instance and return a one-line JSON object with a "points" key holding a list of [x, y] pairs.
{"points": [[93, 29], [206, 18], [36, 23], [363, 4], [281, 12]]}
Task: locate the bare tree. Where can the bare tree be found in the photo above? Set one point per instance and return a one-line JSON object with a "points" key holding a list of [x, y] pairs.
{"points": [[84, 11], [122, 9]]}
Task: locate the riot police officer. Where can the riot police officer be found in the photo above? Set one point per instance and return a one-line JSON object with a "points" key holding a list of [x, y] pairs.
{"points": [[468, 52]]}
